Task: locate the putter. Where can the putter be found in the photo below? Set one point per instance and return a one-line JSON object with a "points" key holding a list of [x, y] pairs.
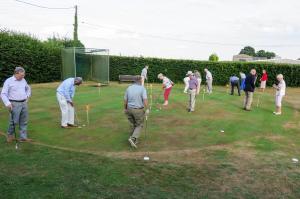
{"points": [[87, 115], [13, 121], [258, 99], [146, 157], [78, 123]]}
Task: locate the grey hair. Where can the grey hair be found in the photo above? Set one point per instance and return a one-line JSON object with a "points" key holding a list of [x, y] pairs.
{"points": [[19, 69], [78, 79]]}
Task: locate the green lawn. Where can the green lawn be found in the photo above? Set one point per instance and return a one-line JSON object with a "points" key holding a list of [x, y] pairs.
{"points": [[189, 157]]}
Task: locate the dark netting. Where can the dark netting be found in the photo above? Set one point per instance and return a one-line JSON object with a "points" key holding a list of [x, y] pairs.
{"points": [[90, 64]]}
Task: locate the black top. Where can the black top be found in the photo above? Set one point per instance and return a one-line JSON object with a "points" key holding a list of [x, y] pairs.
{"points": [[250, 83]]}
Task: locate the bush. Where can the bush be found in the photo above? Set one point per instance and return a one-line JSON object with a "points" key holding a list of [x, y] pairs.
{"points": [[41, 61], [176, 69]]}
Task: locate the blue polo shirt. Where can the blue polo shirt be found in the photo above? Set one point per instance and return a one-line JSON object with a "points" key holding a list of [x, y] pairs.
{"points": [[135, 96]]}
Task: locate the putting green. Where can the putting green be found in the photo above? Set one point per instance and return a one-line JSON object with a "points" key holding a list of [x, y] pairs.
{"points": [[170, 130]]}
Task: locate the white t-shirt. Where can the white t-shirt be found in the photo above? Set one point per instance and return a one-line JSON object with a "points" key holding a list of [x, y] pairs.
{"points": [[208, 75], [281, 88], [144, 73], [167, 82]]}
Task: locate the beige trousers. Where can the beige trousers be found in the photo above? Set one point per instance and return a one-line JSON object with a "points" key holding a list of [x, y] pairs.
{"points": [[248, 100]]}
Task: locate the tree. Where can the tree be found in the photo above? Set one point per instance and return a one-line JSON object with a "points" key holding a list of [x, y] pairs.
{"points": [[270, 55], [261, 53], [248, 50], [213, 57]]}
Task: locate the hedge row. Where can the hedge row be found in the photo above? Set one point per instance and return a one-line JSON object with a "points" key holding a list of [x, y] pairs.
{"points": [[221, 71], [41, 61]]}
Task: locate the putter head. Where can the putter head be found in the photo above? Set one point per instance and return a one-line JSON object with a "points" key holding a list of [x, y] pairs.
{"points": [[17, 147]]}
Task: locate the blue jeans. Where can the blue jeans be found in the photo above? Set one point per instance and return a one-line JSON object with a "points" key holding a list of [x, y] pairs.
{"points": [[19, 114]]}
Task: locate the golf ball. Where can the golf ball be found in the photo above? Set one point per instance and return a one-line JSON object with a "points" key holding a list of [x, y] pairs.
{"points": [[295, 160], [146, 158], [222, 131], [83, 125]]}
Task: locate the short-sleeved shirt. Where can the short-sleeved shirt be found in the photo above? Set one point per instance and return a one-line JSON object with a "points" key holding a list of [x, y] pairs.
{"points": [[243, 76], [234, 79], [208, 75], [193, 83], [167, 82], [197, 75], [135, 96], [281, 88], [144, 73]]}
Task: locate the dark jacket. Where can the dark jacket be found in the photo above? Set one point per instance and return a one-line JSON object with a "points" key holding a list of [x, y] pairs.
{"points": [[250, 83]]}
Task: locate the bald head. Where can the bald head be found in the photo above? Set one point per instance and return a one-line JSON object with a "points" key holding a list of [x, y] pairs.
{"points": [[77, 81]]}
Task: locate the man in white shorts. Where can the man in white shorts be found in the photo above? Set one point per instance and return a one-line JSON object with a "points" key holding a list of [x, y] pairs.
{"points": [[280, 93]]}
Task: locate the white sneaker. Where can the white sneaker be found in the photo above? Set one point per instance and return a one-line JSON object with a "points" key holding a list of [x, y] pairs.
{"points": [[277, 113]]}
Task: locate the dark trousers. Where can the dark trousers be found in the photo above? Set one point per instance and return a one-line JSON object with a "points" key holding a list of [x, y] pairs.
{"points": [[237, 84]]}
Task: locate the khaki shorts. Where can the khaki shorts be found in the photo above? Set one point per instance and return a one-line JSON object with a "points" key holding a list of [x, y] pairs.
{"points": [[263, 84]]}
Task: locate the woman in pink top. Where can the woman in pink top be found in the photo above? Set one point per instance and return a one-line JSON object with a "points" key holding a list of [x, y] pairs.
{"points": [[167, 86]]}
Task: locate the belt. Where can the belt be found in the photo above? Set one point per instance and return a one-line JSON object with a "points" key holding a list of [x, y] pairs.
{"points": [[192, 88], [137, 108], [17, 100]]}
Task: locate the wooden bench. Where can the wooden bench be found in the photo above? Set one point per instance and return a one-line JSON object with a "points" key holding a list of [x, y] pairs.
{"points": [[127, 78]]}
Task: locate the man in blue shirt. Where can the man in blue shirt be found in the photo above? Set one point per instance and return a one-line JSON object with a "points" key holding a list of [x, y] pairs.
{"points": [[135, 100], [65, 93], [235, 82]]}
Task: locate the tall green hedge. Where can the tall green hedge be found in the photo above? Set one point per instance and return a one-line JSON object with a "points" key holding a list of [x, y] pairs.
{"points": [[41, 61], [176, 69]]}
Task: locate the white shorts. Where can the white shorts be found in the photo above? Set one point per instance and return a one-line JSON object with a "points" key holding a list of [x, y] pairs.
{"points": [[278, 100], [263, 84]]}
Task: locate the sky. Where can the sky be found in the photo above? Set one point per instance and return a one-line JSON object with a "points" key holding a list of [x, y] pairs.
{"points": [[180, 29]]}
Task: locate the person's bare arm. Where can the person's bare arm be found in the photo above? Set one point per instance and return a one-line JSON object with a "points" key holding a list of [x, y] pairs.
{"points": [[146, 103], [125, 104]]}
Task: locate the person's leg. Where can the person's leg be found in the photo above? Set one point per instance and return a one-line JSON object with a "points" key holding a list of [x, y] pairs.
{"points": [[166, 96], [143, 80], [193, 99], [63, 108], [190, 100], [249, 101], [139, 121], [14, 114], [70, 114], [199, 85], [23, 120], [246, 99], [232, 88], [238, 87], [209, 86], [131, 120]]}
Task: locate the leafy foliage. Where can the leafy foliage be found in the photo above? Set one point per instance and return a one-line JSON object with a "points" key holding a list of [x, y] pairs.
{"points": [[248, 50], [213, 57], [41, 60]]}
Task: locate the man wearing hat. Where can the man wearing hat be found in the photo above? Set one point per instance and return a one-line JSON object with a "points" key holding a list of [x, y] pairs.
{"points": [[15, 94], [144, 75], [65, 94], [193, 85]]}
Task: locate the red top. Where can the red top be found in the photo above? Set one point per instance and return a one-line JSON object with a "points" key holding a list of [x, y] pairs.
{"points": [[264, 77]]}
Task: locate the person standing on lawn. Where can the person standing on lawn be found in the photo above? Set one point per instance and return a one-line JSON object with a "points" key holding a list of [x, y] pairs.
{"points": [[65, 94], [209, 80], [243, 78], [280, 93], [263, 80], [234, 82], [135, 101], [199, 79], [15, 95], [144, 74], [186, 81], [249, 89], [167, 86], [193, 85]]}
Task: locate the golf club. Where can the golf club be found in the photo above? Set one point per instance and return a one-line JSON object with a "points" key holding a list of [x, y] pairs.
{"points": [[203, 96], [258, 99], [87, 115], [77, 120], [146, 157], [13, 123]]}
